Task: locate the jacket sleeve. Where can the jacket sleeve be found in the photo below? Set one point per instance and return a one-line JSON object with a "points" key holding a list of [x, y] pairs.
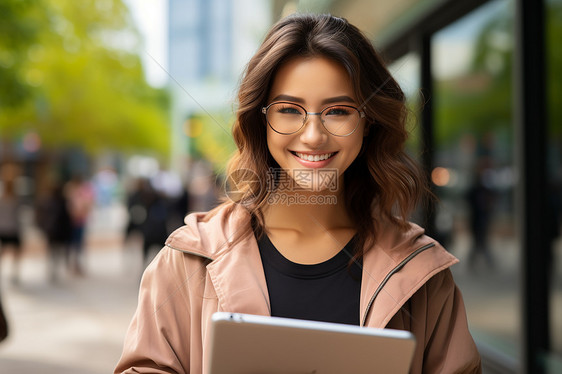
{"points": [[159, 337], [436, 315]]}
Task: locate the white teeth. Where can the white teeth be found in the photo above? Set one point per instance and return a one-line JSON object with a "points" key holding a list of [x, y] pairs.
{"points": [[314, 157]]}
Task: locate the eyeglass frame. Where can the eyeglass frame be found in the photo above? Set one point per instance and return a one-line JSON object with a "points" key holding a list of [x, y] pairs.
{"points": [[307, 113]]}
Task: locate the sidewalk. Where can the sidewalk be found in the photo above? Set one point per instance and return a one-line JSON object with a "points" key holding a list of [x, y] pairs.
{"points": [[77, 324]]}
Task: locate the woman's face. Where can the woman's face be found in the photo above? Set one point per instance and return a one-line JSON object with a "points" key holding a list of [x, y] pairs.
{"points": [[312, 156]]}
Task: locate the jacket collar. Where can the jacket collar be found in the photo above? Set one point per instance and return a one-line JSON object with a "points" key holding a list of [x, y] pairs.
{"points": [[235, 266]]}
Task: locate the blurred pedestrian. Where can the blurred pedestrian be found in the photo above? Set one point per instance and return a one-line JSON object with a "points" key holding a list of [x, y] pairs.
{"points": [[137, 201], [148, 216], [481, 201], [179, 206], [155, 227], [10, 237], [53, 218], [79, 194], [9, 240], [3, 321]]}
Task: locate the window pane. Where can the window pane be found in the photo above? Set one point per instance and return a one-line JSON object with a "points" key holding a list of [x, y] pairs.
{"points": [[474, 173], [406, 71], [554, 94]]}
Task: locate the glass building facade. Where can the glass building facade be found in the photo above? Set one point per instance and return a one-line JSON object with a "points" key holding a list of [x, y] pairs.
{"points": [[474, 147], [496, 211]]}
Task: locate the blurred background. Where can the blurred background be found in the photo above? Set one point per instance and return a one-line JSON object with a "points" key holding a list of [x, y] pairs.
{"points": [[115, 121]]}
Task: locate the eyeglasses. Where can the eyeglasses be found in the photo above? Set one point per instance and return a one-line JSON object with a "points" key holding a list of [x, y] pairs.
{"points": [[288, 118]]}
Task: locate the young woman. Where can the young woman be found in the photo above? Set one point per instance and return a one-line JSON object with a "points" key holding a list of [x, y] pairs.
{"points": [[317, 227]]}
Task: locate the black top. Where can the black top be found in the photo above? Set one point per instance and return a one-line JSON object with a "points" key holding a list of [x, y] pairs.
{"points": [[328, 291]]}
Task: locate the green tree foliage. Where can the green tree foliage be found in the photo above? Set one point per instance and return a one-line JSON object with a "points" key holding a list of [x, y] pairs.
{"points": [[85, 85], [18, 30], [481, 100]]}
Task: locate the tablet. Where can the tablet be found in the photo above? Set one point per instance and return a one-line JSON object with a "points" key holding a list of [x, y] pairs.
{"points": [[249, 344]]}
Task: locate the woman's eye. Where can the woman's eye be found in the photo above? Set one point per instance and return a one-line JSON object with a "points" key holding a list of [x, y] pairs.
{"points": [[338, 111], [289, 110]]}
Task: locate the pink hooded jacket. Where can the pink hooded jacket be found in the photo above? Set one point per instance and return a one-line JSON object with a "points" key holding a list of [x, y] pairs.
{"points": [[406, 285]]}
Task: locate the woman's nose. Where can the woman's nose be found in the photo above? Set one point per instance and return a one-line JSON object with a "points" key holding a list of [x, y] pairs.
{"points": [[314, 132]]}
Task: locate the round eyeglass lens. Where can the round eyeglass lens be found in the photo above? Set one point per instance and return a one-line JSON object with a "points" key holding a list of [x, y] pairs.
{"points": [[340, 120], [285, 118]]}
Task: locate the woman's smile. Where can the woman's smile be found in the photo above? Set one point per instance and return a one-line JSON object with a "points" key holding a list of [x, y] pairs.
{"points": [[314, 159]]}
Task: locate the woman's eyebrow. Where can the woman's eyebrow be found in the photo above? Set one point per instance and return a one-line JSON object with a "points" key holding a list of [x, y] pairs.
{"points": [[336, 99], [283, 97]]}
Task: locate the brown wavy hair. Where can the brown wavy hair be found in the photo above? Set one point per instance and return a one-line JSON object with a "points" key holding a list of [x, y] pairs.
{"points": [[383, 182]]}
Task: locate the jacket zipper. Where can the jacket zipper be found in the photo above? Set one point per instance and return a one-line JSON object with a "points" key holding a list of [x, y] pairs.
{"points": [[190, 253], [390, 274]]}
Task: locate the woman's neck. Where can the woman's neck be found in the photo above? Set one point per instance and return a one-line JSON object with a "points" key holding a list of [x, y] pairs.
{"points": [[308, 227], [307, 211]]}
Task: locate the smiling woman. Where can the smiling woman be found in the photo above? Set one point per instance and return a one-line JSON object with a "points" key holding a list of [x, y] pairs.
{"points": [[318, 228]]}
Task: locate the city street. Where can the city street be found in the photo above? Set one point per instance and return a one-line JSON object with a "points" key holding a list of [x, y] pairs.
{"points": [[76, 325]]}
